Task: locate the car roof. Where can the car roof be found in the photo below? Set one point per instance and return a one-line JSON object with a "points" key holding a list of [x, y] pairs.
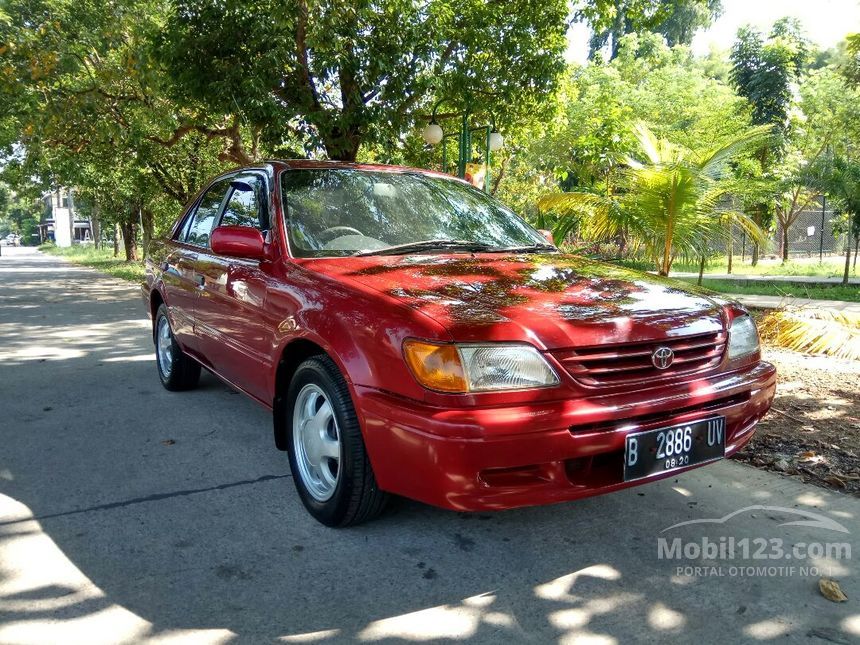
{"points": [[313, 164]]}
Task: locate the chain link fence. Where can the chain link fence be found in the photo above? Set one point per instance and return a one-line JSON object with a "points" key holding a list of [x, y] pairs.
{"points": [[811, 234]]}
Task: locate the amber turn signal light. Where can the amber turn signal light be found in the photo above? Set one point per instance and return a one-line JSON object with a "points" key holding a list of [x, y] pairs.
{"points": [[437, 367]]}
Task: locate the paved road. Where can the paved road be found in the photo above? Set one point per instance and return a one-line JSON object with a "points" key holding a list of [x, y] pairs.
{"points": [[130, 514]]}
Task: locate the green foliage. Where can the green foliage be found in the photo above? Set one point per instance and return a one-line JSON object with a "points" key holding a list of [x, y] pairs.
{"points": [[675, 20], [670, 199], [763, 70], [850, 66], [18, 214], [840, 180], [90, 111], [334, 74], [585, 144]]}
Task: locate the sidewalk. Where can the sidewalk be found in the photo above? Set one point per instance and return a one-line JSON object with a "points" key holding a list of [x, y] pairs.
{"points": [[800, 279], [776, 302]]}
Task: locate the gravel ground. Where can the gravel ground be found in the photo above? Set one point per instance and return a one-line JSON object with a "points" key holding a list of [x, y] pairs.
{"points": [[813, 430]]}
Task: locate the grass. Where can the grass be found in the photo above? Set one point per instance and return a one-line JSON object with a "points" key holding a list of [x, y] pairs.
{"points": [[851, 293], [831, 267], [99, 259]]}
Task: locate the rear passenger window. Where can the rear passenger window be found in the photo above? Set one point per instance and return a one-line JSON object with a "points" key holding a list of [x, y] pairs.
{"points": [[200, 227], [243, 207]]}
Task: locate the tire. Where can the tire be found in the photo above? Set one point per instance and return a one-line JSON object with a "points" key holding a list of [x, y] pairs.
{"points": [[176, 369], [328, 458]]}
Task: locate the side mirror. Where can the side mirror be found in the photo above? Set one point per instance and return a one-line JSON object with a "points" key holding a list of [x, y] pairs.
{"points": [[547, 234], [238, 242]]}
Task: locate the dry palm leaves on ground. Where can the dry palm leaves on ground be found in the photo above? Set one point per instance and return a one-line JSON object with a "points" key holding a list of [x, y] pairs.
{"points": [[813, 430], [814, 331]]}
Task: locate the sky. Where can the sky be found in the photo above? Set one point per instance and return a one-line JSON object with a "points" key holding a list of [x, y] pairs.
{"points": [[826, 23]]}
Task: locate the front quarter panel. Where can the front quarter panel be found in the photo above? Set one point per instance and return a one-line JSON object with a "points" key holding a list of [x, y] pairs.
{"points": [[361, 329]]}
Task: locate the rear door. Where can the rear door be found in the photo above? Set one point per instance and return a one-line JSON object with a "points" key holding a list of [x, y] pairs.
{"points": [[234, 332], [182, 280]]}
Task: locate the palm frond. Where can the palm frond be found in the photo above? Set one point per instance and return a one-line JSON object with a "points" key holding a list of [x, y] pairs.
{"points": [[575, 208], [814, 331], [713, 162]]}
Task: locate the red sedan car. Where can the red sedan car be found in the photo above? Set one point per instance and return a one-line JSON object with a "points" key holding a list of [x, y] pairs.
{"points": [[413, 336]]}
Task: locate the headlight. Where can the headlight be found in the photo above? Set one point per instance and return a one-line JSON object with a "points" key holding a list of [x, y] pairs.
{"points": [[743, 337], [477, 368]]}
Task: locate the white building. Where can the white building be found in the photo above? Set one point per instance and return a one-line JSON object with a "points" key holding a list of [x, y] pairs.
{"points": [[60, 223]]}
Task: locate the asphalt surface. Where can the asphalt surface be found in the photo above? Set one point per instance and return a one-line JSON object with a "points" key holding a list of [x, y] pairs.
{"points": [[131, 514]]}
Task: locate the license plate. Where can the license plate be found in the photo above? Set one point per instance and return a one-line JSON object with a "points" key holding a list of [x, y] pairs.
{"points": [[666, 449]]}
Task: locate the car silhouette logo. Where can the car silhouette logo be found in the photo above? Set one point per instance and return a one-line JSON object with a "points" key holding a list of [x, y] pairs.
{"points": [[662, 357]]}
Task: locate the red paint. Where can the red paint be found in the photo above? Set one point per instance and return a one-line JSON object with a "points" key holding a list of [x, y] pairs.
{"points": [[473, 451], [238, 242]]}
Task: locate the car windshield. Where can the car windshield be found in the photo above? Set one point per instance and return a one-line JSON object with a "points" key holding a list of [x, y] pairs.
{"points": [[336, 212]]}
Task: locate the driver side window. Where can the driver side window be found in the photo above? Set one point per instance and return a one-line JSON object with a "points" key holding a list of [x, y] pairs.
{"points": [[201, 224]]}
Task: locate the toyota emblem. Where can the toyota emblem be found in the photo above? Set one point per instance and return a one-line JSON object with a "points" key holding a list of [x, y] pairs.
{"points": [[662, 357]]}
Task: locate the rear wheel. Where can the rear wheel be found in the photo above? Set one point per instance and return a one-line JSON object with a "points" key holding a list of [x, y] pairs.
{"points": [[176, 369], [328, 459]]}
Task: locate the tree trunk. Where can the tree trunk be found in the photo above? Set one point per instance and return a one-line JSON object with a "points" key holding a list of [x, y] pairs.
{"points": [[666, 263], [754, 259], [701, 269], [96, 227], [784, 244], [848, 252], [343, 146], [129, 231], [731, 248], [856, 247], [148, 222], [117, 235], [71, 199]]}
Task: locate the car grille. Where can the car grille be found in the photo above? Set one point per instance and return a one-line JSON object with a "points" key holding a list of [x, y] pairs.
{"points": [[606, 365]]}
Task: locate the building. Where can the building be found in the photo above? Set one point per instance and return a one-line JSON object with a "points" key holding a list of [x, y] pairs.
{"points": [[60, 223]]}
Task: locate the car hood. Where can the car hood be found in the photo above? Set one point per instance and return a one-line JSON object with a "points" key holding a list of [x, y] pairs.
{"points": [[550, 300]]}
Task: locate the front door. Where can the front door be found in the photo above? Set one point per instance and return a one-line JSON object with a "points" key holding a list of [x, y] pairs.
{"points": [[182, 280], [233, 330]]}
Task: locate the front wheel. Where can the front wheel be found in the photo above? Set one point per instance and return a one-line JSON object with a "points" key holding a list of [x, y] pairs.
{"points": [[328, 459], [176, 369]]}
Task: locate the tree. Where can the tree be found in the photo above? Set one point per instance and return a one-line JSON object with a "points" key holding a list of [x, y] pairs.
{"points": [[90, 110], [670, 198], [850, 66], [586, 142], [676, 20], [824, 115], [337, 74], [841, 182], [763, 72]]}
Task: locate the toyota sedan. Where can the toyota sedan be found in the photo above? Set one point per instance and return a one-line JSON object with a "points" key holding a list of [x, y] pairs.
{"points": [[413, 336]]}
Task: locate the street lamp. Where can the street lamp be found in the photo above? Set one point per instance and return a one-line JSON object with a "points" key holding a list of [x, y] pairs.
{"points": [[433, 133], [497, 141], [493, 141]]}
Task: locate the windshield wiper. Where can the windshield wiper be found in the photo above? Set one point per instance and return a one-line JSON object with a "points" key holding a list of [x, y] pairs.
{"points": [[424, 245], [527, 248]]}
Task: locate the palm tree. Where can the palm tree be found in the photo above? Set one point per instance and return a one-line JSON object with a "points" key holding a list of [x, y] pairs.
{"points": [[671, 199]]}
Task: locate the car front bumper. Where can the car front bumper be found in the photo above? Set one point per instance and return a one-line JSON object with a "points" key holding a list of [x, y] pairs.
{"points": [[531, 454]]}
